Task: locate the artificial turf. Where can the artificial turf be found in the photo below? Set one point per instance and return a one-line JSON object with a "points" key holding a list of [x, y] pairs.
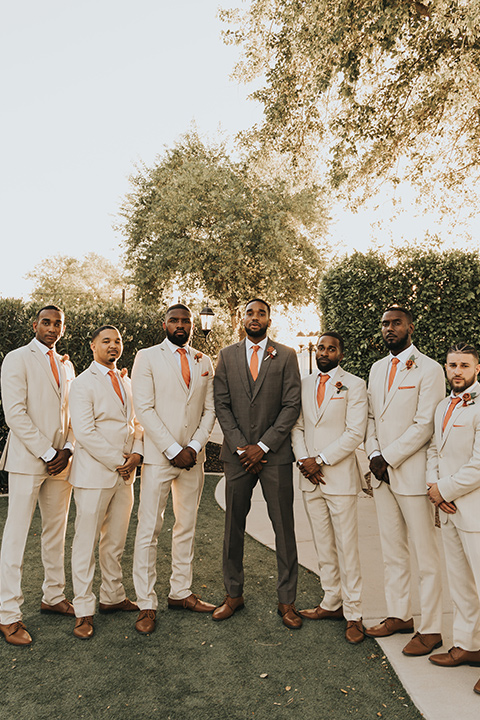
{"points": [[190, 668]]}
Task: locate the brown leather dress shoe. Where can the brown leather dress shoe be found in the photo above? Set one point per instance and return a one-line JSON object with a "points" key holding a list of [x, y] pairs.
{"points": [[320, 613], [476, 687], [422, 644], [354, 633], [124, 606], [228, 607], [390, 626], [456, 656], [16, 633], [290, 616], [146, 621], [64, 607], [83, 627], [192, 602]]}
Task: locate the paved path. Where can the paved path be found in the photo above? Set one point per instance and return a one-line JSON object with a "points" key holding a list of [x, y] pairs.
{"points": [[439, 693]]}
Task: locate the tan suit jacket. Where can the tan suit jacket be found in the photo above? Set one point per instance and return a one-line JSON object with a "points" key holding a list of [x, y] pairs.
{"points": [[36, 409], [168, 410], [453, 461], [104, 429], [400, 422], [335, 429]]}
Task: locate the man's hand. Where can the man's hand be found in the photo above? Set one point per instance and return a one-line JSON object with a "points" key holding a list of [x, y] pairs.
{"points": [[379, 467], [252, 458], [185, 459], [59, 462], [436, 498], [132, 460], [311, 470]]}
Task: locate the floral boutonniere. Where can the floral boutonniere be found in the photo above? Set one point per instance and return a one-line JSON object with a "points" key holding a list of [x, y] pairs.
{"points": [[340, 387], [197, 357], [410, 363], [468, 399], [271, 352], [123, 372], [64, 358]]}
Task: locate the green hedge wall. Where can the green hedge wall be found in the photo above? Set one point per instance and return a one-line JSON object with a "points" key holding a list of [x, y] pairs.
{"points": [[139, 327], [442, 289]]}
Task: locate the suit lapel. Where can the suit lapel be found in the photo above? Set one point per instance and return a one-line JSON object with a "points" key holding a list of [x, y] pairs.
{"points": [[240, 355], [167, 355], [330, 390], [106, 382], [455, 416], [264, 367], [400, 377], [44, 362]]}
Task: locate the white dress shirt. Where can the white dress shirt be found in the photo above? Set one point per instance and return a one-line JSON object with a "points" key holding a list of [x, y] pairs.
{"points": [[175, 448]]}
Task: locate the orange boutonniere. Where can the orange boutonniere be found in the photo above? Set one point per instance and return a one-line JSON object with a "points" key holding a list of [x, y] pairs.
{"points": [[410, 363], [198, 356], [123, 372], [64, 358], [271, 352], [339, 385], [468, 399]]}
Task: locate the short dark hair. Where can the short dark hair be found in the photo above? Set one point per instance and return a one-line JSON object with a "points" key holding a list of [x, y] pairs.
{"points": [[50, 307], [101, 329], [178, 306], [461, 346], [399, 308], [334, 334], [264, 302]]}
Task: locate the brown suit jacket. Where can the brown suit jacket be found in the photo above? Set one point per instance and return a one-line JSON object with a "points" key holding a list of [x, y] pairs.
{"points": [[264, 411]]}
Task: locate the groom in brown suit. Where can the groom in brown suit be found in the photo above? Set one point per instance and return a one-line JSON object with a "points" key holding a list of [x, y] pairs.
{"points": [[257, 401]]}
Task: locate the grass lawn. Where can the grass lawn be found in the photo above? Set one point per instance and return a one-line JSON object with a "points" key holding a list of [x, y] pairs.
{"points": [[249, 667]]}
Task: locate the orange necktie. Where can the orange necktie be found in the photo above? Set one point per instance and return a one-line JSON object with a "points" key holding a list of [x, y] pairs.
{"points": [[54, 367], [185, 366], [393, 372], [254, 361], [453, 404], [321, 388], [116, 384]]}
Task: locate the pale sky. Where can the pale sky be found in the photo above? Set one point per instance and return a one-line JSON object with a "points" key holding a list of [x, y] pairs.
{"points": [[88, 90]]}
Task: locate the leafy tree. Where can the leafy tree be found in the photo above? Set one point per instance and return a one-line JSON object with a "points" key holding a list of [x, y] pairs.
{"points": [[204, 222], [68, 281], [442, 289], [372, 84]]}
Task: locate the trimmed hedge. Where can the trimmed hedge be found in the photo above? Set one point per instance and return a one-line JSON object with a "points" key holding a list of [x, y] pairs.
{"points": [[442, 290]]}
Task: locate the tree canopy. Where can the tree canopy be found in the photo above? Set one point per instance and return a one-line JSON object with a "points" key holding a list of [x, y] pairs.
{"points": [[207, 223], [69, 281], [379, 89]]}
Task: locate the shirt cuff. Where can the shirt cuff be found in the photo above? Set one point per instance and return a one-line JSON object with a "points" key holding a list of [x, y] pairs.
{"points": [[173, 451], [195, 445], [49, 455], [375, 453], [263, 447], [68, 446], [324, 459]]}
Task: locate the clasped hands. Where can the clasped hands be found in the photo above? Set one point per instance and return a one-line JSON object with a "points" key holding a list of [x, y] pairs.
{"points": [[436, 499], [379, 467], [251, 457], [131, 462], [186, 459], [59, 462], [311, 470]]}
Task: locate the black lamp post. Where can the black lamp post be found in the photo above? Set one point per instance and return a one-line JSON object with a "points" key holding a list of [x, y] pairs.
{"points": [[206, 319]]}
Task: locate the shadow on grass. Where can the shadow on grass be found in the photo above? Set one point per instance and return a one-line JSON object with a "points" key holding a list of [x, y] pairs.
{"points": [[192, 668]]}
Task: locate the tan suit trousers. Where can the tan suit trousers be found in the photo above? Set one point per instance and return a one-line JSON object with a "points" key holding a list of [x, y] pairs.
{"points": [[53, 495]]}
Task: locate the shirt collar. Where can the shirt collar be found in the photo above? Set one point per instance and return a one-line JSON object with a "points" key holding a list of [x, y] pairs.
{"points": [[261, 343], [173, 348], [42, 347], [103, 368], [404, 355], [331, 373]]}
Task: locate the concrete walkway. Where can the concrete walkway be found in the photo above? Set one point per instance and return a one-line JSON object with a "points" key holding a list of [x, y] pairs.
{"points": [[439, 693]]}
